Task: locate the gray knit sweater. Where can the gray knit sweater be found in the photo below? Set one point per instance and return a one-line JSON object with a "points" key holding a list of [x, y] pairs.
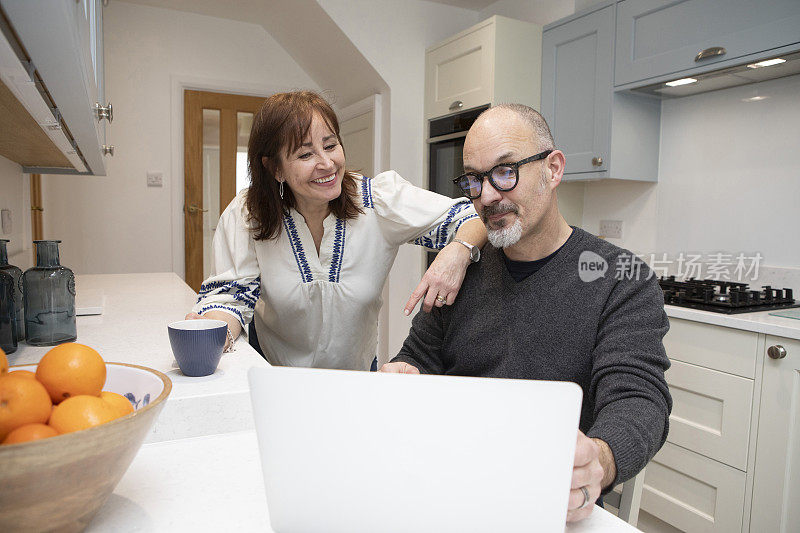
{"points": [[604, 334]]}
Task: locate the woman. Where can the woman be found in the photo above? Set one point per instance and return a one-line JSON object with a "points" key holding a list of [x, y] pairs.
{"points": [[305, 251]]}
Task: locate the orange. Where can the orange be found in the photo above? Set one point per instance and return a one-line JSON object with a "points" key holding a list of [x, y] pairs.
{"points": [[119, 402], [23, 374], [81, 412], [30, 432], [3, 362], [22, 401], [71, 369]]}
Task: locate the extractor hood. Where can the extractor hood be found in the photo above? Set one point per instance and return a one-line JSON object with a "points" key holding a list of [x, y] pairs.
{"points": [[744, 74]]}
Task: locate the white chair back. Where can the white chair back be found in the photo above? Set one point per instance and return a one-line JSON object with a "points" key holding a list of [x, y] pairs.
{"points": [[628, 499]]}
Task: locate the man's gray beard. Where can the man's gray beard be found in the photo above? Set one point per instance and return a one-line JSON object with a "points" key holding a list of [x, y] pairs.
{"points": [[506, 236]]}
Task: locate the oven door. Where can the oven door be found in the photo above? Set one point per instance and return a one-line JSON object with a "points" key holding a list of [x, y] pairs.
{"points": [[445, 163]]}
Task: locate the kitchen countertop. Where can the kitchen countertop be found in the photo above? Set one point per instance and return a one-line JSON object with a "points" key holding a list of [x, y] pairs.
{"points": [[760, 322], [199, 469], [215, 483], [133, 329]]}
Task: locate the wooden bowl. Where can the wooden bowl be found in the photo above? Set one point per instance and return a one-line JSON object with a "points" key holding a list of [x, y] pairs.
{"points": [[59, 483]]}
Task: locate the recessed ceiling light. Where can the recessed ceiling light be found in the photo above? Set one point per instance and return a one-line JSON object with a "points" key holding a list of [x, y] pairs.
{"points": [[755, 98], [767, 63], [682, 81]]}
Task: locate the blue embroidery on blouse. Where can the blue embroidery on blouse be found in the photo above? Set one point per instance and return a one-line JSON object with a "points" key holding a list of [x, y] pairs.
{"points": [[366, 191], [440, 237], [246, 293], [226, 308], [338, 251], [297, 248]]}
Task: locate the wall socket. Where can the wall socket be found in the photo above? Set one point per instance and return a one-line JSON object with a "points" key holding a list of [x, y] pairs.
{"points": [[155, 179], [611, 229]]}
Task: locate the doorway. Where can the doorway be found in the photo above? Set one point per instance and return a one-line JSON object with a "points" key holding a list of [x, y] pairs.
{"points": [[360, 130], [216, 133]]}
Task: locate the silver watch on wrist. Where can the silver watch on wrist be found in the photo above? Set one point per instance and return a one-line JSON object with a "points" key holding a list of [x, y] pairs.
{"points": [[474, 251]]}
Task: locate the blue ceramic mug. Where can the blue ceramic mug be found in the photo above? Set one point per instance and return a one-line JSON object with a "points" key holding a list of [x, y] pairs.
{"points": [[197, 345]]}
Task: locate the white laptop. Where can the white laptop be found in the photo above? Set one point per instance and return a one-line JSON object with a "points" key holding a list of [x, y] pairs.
{"points": [[361, 452]]}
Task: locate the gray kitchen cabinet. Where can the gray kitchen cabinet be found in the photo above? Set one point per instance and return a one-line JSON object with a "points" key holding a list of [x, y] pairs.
{"points": [[63, 45], [657, 38], [776, 486], [602, 134]]}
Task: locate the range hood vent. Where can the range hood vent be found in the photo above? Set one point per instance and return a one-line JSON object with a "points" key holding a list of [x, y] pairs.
{"points": [[744, 74]]}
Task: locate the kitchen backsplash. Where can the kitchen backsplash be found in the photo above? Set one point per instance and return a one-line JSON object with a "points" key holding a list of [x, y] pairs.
{"points": [[729, 181]]}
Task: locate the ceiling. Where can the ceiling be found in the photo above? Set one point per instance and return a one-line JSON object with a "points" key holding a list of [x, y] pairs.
{"points": [[342, 69], [467, 4]]}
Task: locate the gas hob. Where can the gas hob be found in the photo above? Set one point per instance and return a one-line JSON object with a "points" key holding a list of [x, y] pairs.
{"points": [[724, 296]]}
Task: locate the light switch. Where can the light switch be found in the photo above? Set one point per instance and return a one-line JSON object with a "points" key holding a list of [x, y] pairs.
{"points": [[155, 179], [5, 216], [611, 229]]}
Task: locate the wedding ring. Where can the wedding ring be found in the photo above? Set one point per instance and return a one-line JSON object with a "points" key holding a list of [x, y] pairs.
{"points": [[586, 500], [440, 299]]}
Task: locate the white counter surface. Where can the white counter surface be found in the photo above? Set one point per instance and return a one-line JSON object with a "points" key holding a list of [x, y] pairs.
{"points": [[199, 469], [215, 483], [133, 329], [761, 322]]}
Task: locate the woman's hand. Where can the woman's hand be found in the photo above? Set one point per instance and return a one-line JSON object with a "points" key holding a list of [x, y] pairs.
{"points": [[442, 281], [233, 325]]}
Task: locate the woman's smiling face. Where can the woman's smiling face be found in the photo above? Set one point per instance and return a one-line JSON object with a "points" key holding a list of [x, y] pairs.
{"points": [[314, 170]]}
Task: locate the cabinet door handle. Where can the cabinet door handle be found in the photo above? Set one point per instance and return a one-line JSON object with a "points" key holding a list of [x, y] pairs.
{"points": [[714, 51], [776, 352], [458, 104], [597, 161], [108, 149], [194, 209], [106, 112]]}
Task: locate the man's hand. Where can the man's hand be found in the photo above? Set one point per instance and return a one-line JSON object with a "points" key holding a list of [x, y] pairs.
{"points": [[594, 468], [399, 368], [442, 280]]}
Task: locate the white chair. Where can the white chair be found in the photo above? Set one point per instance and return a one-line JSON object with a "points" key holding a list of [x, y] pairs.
{"points": [[628, 500]]}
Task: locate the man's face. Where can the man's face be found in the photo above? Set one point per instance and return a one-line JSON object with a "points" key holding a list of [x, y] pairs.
{"points": [[502, 136]]}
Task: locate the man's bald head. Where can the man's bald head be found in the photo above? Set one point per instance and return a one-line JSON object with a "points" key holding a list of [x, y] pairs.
{"points": [[539, 129]]}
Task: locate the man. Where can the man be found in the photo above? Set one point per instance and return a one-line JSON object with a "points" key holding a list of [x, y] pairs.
{"points": [[543, 303]]}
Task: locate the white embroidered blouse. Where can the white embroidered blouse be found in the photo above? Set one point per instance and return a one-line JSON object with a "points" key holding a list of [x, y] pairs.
{"points": [[322, 310]]}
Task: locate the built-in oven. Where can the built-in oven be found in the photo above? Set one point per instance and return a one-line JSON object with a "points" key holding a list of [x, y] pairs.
{"points": [[445, 153]]}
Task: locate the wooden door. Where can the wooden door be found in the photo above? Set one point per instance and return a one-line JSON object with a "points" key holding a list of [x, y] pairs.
{"points": [[216, 130]]}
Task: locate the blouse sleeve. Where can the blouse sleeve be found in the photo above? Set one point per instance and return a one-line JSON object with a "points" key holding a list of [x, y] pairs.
{"points": [[414, 215], [235, 281]]}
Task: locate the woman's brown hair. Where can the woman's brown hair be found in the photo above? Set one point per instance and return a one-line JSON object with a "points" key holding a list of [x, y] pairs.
{"points": [[281, 125]]}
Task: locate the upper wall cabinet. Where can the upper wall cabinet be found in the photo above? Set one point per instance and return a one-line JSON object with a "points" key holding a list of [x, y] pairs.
{"points": [[52, 65], [495, 61], [657, 38], [602, 134]]}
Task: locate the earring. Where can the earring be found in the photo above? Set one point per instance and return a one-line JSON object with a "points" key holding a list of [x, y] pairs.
{"points": [[280, 190]]}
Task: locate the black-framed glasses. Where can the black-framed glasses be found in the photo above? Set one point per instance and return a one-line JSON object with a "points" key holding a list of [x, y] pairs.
{"points": [[503, 177]]}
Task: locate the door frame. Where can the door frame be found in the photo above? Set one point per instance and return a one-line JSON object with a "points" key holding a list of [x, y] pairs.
{"points": [[370, 103], [178, 85], [229, 105], [374, 103]]}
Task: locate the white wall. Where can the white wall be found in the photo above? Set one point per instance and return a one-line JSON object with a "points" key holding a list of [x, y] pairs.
{"points": [[15, 196], [116, 223], [540, 12], [729, 178], [393, 37]]}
